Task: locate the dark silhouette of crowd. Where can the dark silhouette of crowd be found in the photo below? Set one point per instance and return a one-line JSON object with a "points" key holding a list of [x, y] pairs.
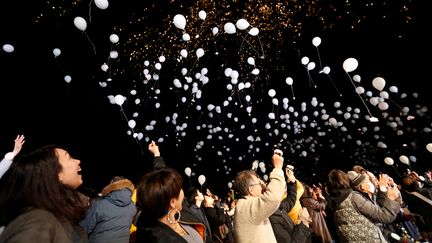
{"points": [[40, 201]]}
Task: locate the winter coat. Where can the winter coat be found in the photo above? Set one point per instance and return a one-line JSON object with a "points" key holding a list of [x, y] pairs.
{"points": [[351, 225], [251, 216], [157, 232], [109, 218], [316, 211], [41, 226]]}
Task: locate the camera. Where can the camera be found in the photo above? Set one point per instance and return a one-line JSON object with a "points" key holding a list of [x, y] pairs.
{"points": [[278, 152], [290, 167]]}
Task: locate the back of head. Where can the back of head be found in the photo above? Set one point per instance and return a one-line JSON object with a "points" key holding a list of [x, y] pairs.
{"points": [[337, 179], [31, 181], [359, 169], [356, 179], [155, 191], [191, 194], [409, 184], [242, 181]]}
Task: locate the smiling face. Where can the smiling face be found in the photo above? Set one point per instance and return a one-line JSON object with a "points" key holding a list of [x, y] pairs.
{"points": [[70, 169]]}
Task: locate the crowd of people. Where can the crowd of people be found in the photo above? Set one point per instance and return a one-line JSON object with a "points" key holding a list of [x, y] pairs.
{"points": [[40, 201]]}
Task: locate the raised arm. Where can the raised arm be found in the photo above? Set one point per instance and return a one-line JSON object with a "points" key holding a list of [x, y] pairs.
{"points": [[8, 158]]}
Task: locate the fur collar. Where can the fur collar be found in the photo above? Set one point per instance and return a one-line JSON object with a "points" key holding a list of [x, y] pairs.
{"points": [[118, 185]]}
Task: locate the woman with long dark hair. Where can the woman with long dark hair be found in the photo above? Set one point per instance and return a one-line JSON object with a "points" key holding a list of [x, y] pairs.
{"points": [[38, 198]]}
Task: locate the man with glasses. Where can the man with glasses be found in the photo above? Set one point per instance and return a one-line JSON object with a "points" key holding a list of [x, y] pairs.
{"points": [[257, 202]]}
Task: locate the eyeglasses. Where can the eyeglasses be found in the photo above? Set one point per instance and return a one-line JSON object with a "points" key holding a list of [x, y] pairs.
{"points": [[255, 184]]}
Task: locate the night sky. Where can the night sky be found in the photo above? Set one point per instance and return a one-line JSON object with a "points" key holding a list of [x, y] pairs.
{"points": [[215, 122]]}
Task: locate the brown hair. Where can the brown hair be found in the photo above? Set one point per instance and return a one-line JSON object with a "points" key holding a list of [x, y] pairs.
{"points": [[338, 179], [242, 182]]}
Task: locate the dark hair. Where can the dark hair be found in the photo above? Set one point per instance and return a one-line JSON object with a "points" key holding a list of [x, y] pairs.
{"points": [[409, 184], [242, 182], [155, 191], [338, 180], [32, 181], [191, 194]]}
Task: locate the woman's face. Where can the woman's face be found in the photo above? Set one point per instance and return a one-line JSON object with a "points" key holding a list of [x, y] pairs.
{"points": [[70, 168], [179, 201]]}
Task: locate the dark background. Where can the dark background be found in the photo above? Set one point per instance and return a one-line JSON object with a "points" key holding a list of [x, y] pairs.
{"points": [[388, 38]]}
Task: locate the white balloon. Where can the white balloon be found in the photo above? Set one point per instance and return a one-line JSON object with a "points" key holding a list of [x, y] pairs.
{"points": [[119, 99], [289, 81], [186, 37], [8, 48], [254, 31], [200, 52], [271, 93], [132, 124], [256, 71], [316, 41], [242, 24], [350, 64], [251, 61], [310, 66], [383, 106], [179, 21], [56, 52], [80, 23], [202, 14], [114, 38], [201, 179], [357, 78], [305, 60], [102, 4], [67, 78], [360, 90], [184, 53], [215, 30], [326, 70], [113, 54], [388, 161], [230, 184], [404, 159], [230, 28], [378, 83], [429, 147], [188, 171], [393, 89]]}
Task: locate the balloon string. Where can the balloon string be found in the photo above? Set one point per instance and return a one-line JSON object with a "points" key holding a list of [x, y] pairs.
{"points": [[90, 8], [262, 48], [334, 85], [292, 92], [364, 103], [311, 82], [319, 58], [91, 42]]}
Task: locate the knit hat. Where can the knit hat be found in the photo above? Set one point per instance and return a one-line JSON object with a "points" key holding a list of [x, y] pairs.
{"points": [[355, 178]]}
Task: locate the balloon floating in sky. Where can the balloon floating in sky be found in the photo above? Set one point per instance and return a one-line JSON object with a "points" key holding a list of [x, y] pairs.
{"points": [[429, 147], [230, 28], [56, 52], [102, 4], [114, 38], [242, 24], [8, 48], [188, 171], [67, 79], [388, 161], [316, 41], [378, 83], [404, 159], [201, 179], [202, 14], [80, 23], [179, 21], [350, 64], [254, 31]]}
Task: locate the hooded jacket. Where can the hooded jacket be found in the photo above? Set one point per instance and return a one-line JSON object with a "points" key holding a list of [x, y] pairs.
{"points": [[109, 218]]}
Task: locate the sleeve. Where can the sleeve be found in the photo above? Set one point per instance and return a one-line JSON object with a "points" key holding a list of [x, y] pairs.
{"points": [[373, 212], [5, 164], [314, 204], [90, 220], [265, 205], [158, 162], [288, 203]]}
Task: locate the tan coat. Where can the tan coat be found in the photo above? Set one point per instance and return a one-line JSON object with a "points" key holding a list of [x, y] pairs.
{"points": [[251, 217]]}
